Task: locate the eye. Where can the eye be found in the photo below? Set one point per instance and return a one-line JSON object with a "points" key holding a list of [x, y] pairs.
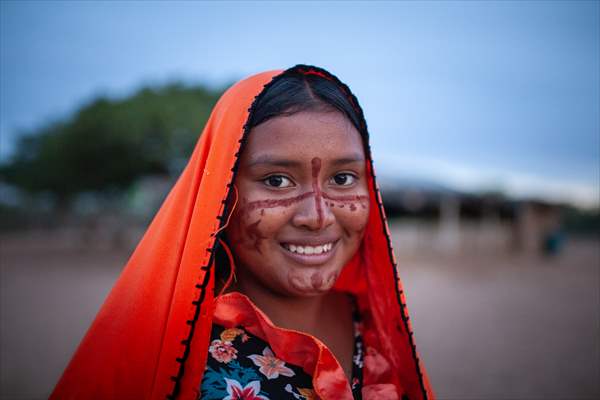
{"points": [[277, 181], [344, 179]]}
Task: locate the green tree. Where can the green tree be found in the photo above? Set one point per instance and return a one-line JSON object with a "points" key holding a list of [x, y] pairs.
{"points": [[110, 143]]}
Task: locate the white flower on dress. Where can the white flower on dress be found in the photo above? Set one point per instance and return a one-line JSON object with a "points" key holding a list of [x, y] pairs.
{"points": [[235, 391], [270, 366], [222, 351]]}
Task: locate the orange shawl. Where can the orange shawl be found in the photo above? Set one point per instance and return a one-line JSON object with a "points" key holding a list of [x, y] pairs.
{"points": [[150, 338]]}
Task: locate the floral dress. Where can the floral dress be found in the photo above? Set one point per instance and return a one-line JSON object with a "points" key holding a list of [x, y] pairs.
{"points": [[241, 366]]}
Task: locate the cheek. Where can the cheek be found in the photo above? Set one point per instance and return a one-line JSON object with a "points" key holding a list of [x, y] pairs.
{"points": [[353, 220], [252, 227]]}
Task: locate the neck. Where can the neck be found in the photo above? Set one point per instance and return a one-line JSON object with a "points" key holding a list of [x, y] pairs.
{"points": [[327, 317], [299, 313]]}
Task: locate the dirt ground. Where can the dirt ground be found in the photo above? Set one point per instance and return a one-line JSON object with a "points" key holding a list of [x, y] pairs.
{"points": [[487, 326]]}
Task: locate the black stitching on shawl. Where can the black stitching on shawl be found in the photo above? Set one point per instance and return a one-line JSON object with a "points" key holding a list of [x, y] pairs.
{"points": [[303, 69], [398, 292], [222, 218], [192, 323]]}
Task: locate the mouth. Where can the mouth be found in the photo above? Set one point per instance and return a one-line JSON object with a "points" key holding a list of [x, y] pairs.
{"points": [[310, 255], [308, 250]]}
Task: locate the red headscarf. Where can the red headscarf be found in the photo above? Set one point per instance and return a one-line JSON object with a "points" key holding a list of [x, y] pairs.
{"points": [[150, 338]]}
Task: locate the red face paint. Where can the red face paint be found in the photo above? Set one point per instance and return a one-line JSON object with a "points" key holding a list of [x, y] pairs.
{"points": [[341, 201], [316, 168], [317, 280], [332, 278], [273, 203], [254, 234], [346, 199], [349, 199]]}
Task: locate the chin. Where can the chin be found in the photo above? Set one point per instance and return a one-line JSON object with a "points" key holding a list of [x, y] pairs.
{"points": [[313, 282]]}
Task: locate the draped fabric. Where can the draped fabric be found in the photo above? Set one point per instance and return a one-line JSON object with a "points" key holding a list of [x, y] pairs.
{"points": [[150, 338], [239, 324]]}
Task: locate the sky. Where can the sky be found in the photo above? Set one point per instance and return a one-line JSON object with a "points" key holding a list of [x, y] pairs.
{"points": [[476, 95]]}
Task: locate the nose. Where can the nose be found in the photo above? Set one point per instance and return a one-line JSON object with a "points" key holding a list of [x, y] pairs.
{"points": [[313, 213]]}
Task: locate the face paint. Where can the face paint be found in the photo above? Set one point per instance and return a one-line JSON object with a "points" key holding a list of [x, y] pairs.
{"points": [[317, 280], [287, 202], [252, 230], [273, 203], [316, 168], [299, 283], [254, 234], [346, 199], [341, 201], [331, 279], [313, 283]]}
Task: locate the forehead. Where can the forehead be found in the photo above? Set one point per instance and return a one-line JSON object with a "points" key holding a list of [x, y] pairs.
{"points": [[304, 135]]}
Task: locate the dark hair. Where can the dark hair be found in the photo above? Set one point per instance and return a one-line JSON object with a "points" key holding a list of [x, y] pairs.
{"points": [[299, 90]]}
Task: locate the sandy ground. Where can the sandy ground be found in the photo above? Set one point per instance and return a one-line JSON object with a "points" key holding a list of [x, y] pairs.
{"points": [[487, 327]]}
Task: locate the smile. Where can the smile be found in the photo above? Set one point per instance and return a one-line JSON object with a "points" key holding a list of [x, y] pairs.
{"points": [[308, 250]]}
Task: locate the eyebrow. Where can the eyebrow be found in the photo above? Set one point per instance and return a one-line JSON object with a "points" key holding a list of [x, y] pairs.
{"points": [[270, 160]]}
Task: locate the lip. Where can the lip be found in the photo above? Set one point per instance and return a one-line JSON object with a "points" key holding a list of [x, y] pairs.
{"points": [[312, 259]]}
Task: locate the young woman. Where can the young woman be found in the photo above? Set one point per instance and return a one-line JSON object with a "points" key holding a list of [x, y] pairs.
{"points": [[268, 271]]}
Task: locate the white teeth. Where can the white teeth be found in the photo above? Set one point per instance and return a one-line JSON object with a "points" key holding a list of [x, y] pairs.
{"points": [[309, 250]]}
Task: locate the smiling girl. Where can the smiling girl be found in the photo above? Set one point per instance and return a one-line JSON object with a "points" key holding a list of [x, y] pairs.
{"points": [[268, 272]]}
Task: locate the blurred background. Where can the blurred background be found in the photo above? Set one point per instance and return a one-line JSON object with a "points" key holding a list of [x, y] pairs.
{"points": [[485, 124]]}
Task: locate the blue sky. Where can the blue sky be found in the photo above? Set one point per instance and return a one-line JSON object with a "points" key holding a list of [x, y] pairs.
{"points": [[476, 95]]}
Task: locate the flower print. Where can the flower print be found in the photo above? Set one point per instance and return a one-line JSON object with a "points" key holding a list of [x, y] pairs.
{"points": [[355, 383], [244, 337], [270, 366], [303, 393], [308, 394], [222, 351], [229, 335], [235, 391]]}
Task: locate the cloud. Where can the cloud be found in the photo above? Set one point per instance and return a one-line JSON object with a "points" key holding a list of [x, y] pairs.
{"points": [[474, 178]]}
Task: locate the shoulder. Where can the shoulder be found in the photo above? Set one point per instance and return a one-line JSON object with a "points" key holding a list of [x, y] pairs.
{"points": [[239, 362]]}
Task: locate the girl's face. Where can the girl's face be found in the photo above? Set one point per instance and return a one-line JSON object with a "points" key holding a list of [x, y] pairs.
{"points": [[303, 203]]}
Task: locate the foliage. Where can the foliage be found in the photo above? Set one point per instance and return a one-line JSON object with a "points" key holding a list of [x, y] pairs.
{"points": [[109, 143]]}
